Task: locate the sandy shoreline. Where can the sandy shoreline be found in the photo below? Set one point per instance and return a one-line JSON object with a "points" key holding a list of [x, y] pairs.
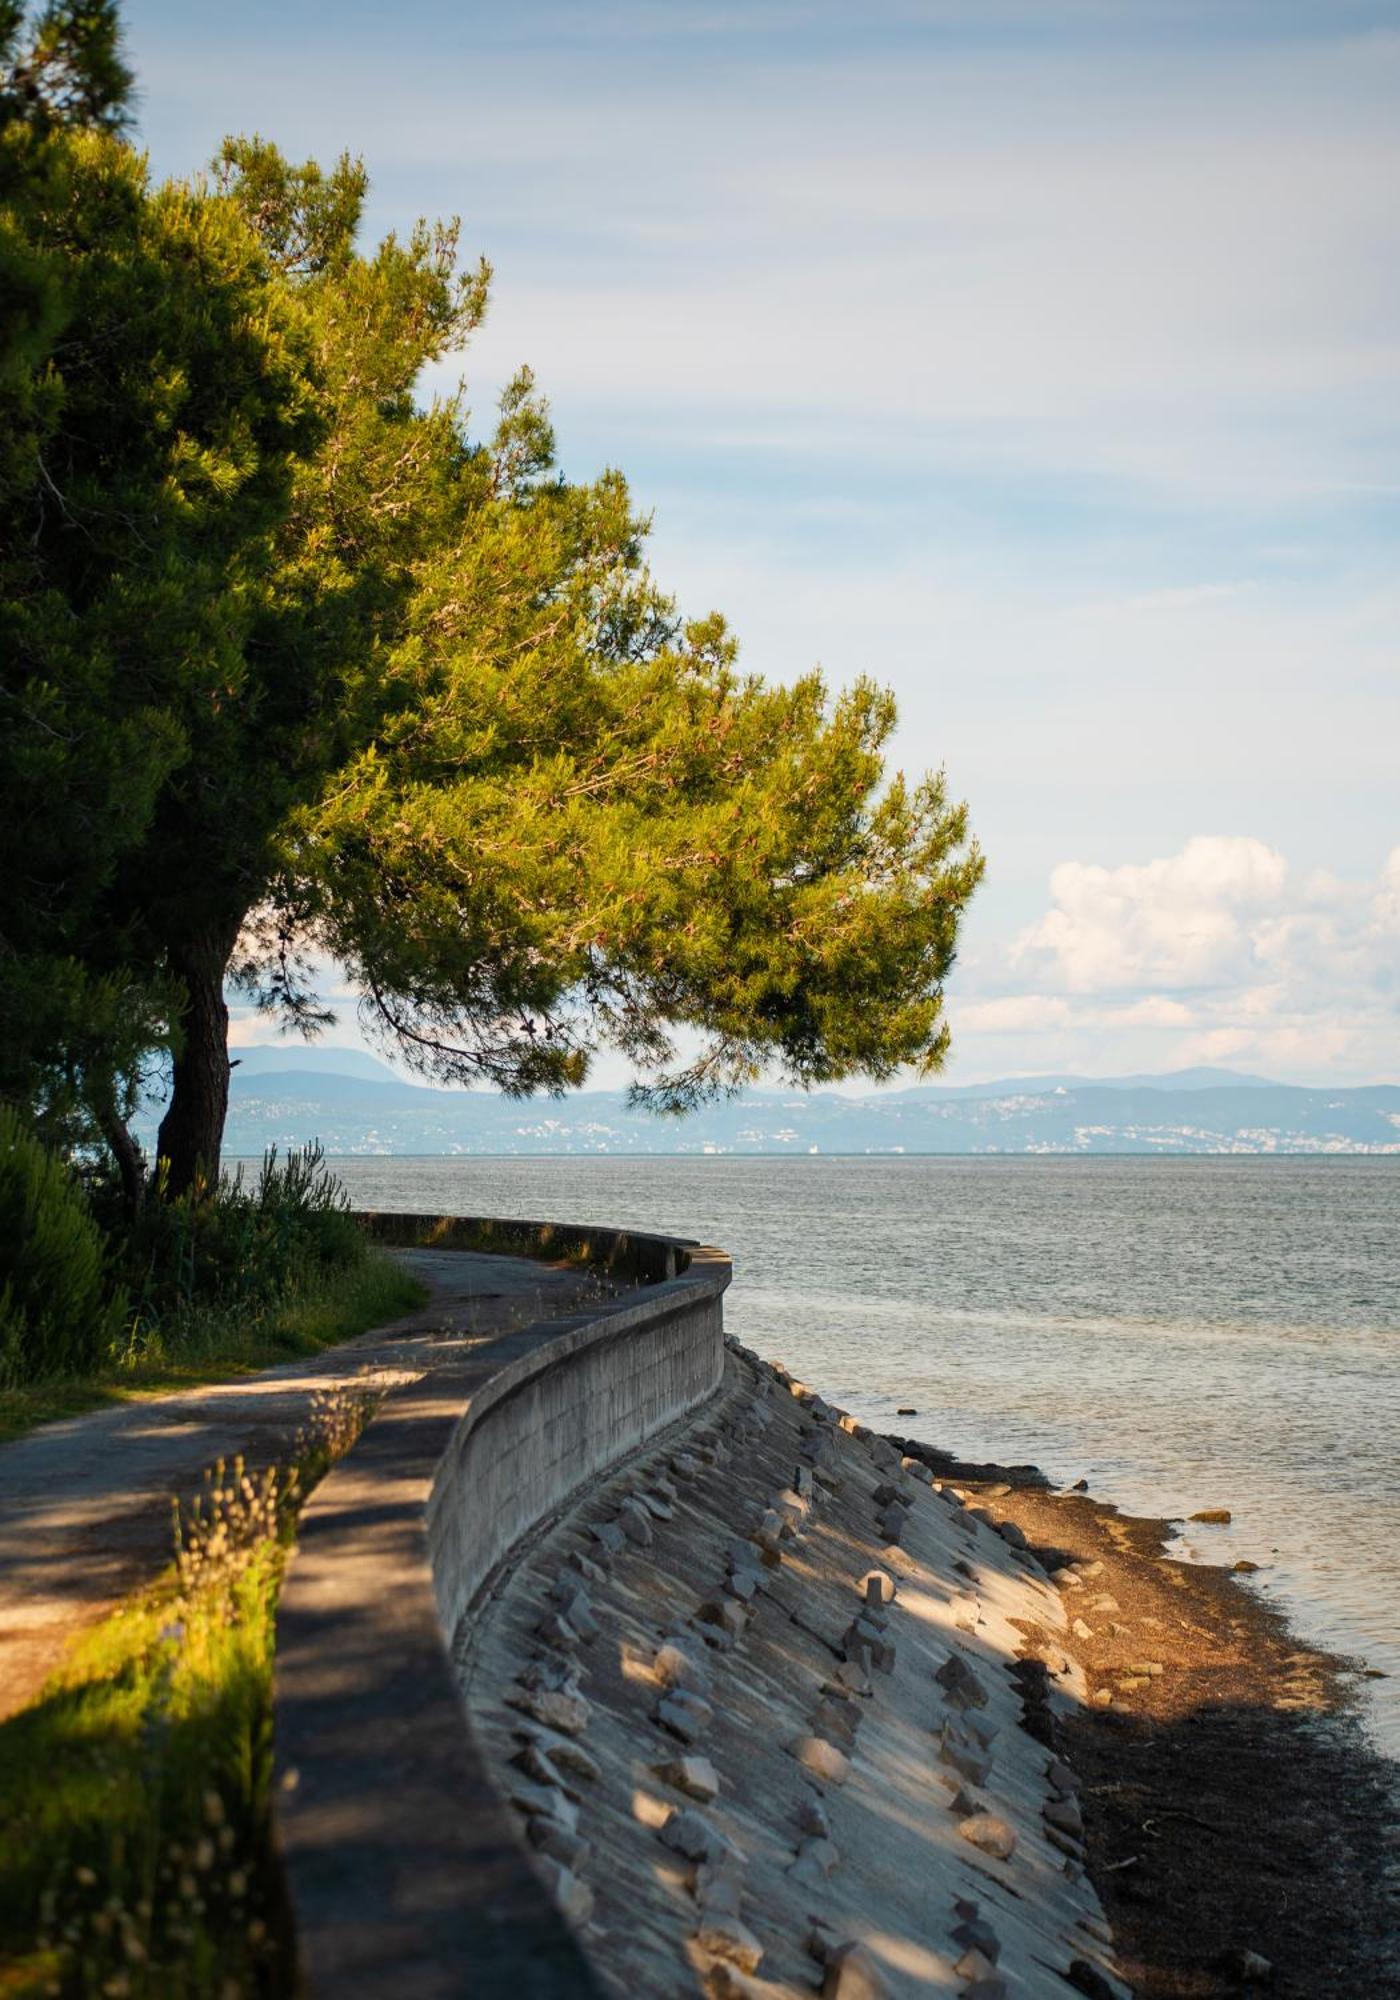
{"points": [[1235, 1810]]}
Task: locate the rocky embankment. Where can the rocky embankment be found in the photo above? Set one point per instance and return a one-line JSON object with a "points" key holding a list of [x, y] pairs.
{"points": [[759, 1701]]}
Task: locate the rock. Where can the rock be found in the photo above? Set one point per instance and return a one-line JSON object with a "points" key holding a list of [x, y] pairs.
{"points": [[976, 1934], [574, 1897], [538, 1766], [821, 1760], [608, 1535], [1148, 1669], [989, 1833], [553, 1671], [635, 1522], [569, 1755], [877, 1587], [568, 1713], [1062, 1776], [1065, 1814], [992, 1988], [967, 1763], [684, 1466], [689, 1834], [556, 1631], [543, 1801], [1105, 1603], [837, 1720], [960, 1684], [685, 1714], [590, 1571], [815, 1860], [982, 1727], [906, 1410], [674, 1667], [813, 1818], [965, 1804], [1102, 1699], [657, 1506], [1080, 1486], [893, 1521], [1011, 1534], [728, 1937], [791, 1508], [726, 1613], [1215, 1517], [852, 1974], [997, 1491], [715, 1885], [561, 1843], [742, 1584], [1081, 1630], [851, 1676], [695, 1776], [1244, 1567]]}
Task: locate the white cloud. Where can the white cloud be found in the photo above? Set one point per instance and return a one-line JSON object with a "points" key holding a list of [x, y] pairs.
{"points": [[1220, 953], [1194, 919]]}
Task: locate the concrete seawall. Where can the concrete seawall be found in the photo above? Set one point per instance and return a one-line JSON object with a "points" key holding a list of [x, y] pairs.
{"points": [[404, 1871]]}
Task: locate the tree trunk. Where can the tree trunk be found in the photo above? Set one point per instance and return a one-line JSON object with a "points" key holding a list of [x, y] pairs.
{"points": [[131, 1165], [192, 1130]]}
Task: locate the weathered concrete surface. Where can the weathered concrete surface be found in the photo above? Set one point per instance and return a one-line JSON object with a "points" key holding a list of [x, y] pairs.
{"points": [[85, 1503], [870, 1816], [405, 1876]]}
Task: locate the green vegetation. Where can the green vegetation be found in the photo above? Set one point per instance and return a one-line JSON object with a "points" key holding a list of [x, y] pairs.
{"points": [[58, 1312], [218, 1343], [135, 1849], [293, 662], [213, 1283]]}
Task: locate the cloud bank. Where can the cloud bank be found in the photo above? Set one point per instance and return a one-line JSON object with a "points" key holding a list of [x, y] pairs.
{"points": [[1219, 953]]}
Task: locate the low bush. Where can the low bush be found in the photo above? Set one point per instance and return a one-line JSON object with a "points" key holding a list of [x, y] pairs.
{"points": [[59, 1310], [240, 1244]]}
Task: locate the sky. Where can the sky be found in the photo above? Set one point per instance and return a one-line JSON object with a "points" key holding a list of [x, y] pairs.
{"points": [[1039, 357]]}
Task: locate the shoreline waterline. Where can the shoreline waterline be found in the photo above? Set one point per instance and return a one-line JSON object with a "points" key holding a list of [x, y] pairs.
{"points": [[1185, 1333]]}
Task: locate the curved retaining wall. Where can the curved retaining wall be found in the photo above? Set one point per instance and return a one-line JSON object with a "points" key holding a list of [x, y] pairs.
{"points": [[405, 1875]]}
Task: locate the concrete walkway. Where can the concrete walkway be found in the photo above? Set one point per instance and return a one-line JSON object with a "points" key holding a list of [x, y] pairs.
{"points": [[85, 1503]]}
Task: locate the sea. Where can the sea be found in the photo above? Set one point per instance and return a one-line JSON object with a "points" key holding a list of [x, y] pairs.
{"points": [[1181, 1333]]}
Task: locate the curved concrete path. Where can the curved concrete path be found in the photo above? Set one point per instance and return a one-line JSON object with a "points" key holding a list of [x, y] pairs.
{"points": [[85, 1503]]}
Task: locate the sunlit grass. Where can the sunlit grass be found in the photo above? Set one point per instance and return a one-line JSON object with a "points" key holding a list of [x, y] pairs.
{"points": [[135, 1848]]}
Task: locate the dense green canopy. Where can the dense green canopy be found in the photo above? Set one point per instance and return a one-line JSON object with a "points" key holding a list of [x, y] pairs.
{"points": [[295, 664]]}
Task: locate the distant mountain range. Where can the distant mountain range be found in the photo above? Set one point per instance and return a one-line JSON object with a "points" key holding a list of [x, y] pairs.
{"points": [[354, 1104]]}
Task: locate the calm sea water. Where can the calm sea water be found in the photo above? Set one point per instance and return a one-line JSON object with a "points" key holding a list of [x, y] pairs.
{"points": [[1181, 1333]]}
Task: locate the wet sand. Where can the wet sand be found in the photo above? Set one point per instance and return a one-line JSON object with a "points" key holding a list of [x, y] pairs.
{"points": [[1243, 1834]]}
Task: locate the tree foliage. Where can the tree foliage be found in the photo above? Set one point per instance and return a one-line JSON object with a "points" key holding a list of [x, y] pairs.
{"points": [[315, 669]]}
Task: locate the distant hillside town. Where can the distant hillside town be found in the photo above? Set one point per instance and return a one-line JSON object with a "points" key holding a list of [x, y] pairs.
{"points": [[286, 1095]]}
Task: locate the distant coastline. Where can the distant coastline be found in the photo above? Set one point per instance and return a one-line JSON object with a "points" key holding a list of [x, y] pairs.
{"points": [[356, 1107]]}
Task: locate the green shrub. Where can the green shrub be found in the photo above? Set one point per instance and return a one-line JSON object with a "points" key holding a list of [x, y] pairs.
{"points": [[241, 1245], [59, 1313]]}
